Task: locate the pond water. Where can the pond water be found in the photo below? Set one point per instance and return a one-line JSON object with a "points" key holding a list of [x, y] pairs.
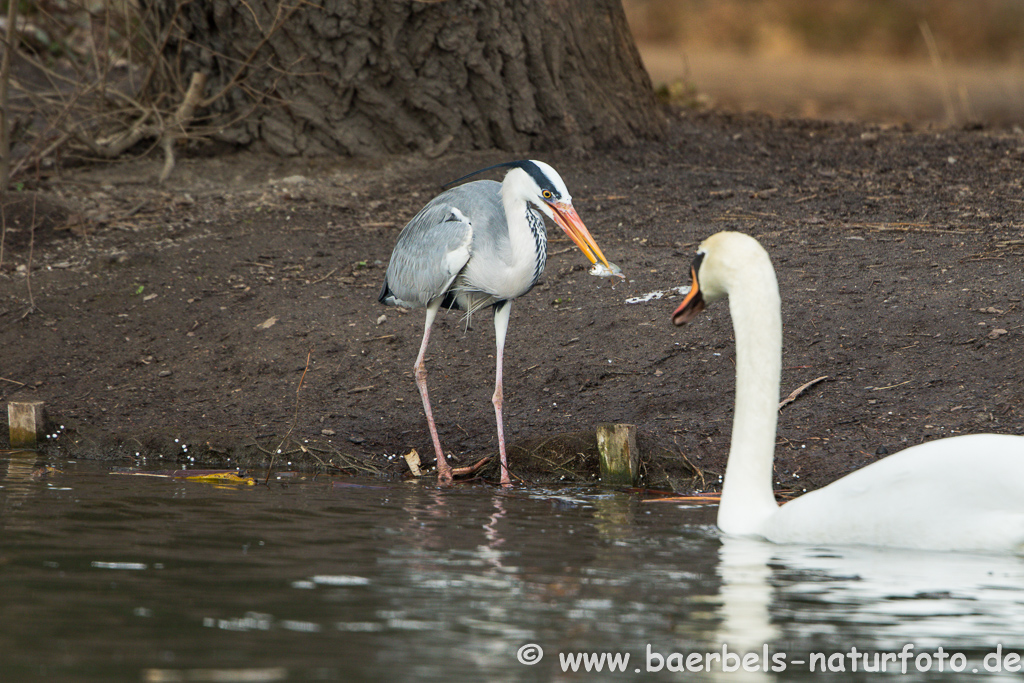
{"points": [[107, 577]]}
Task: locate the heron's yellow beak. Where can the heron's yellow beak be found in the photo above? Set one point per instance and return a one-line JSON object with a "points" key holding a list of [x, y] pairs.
{"points": [[569, 221]]}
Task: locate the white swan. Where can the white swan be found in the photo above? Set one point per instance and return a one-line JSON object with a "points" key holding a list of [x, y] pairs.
{"points": [[960, 493]]}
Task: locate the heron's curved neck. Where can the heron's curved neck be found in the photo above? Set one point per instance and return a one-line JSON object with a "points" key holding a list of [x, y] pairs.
{"points": [[527, 236], [747, 497]]}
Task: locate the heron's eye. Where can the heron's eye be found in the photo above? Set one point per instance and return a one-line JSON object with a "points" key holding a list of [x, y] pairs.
{"points": [[546, 194]]}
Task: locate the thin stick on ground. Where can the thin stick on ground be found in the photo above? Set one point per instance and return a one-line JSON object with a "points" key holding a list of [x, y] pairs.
{"points": [[697, 472], [295, 419], [28, 268], [702, 498], [799, 390]]}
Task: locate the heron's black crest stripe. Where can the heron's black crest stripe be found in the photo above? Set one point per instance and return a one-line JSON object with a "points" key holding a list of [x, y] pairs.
{"points": [[538, 176]]}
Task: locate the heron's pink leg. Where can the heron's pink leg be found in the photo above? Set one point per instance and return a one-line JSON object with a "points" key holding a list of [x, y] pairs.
{"points": [[444, 470], [501, 315]]}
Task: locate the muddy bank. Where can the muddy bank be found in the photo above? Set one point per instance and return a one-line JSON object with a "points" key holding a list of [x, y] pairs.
{"points": [[232, 313]]}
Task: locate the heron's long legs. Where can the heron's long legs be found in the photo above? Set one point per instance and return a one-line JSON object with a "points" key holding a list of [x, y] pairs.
{"points": [[444, 470], [501, 315]]}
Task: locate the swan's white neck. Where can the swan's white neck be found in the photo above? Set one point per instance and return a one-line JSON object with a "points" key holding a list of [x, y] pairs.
{"points": [[747, 498]]}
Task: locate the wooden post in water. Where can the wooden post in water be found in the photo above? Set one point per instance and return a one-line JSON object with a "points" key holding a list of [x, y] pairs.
{"points": [[27, 423], [620, 459]]}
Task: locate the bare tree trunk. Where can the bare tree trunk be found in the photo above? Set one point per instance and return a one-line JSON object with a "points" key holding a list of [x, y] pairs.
{"points": [[372, 77]]}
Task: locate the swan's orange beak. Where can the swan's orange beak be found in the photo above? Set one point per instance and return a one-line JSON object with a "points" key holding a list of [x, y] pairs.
{"points": [[692, 304], [570, 221]]}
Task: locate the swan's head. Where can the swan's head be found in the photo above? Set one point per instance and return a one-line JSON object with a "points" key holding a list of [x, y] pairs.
{"points": [[723, 261]]}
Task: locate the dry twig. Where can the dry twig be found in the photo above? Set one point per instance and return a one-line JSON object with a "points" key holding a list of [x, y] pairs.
{"points": [[90, 109], [295, 419], [799, 390]]}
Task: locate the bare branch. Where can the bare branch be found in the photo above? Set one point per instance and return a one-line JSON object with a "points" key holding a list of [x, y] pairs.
{"points": [[279, 21], [10, 46], [119, 85], [176, 128]]}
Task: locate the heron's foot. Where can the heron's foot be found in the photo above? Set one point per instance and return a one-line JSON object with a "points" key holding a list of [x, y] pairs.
{"points": [[444, 470], [467, 470], [506, 481]]}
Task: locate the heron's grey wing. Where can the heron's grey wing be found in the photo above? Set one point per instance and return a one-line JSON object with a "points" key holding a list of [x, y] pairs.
{"points": [[430, 252]]}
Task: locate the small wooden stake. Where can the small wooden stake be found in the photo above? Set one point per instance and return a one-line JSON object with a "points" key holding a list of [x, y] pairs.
{"points": [[27, 423], [620, 459]]}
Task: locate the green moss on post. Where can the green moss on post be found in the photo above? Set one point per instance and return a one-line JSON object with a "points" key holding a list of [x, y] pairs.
{"points": [[27, 423], [620, 460]]}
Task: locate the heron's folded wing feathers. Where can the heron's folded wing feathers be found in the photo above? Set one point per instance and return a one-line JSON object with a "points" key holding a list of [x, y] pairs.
{"points": [[431, 251]]}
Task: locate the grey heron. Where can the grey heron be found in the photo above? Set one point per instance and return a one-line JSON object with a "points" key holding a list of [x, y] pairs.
{"points": [[482, 244]]}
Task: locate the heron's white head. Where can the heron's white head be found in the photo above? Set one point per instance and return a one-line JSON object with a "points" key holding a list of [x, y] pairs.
{"points": [[540, 185], [537, 183]]}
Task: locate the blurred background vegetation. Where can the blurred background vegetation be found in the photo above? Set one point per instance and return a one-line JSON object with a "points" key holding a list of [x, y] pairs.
{"points": [[964, 30], [926, 62]]}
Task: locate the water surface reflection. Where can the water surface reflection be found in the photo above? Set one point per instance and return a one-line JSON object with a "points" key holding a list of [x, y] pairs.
{"points": [[126, 578]]}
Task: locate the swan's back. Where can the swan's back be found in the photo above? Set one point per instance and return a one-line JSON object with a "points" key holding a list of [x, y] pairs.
{"points": [[960, 493]]}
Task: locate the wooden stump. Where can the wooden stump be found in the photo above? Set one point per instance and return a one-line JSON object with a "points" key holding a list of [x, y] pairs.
{"points": [[27, 423], [620, 459]]}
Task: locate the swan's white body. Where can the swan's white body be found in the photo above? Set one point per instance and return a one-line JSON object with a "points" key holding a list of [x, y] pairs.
{"points": [[960, 493]]}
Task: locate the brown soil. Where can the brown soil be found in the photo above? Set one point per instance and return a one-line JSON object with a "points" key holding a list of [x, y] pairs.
{"points": [[153, 319]]}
